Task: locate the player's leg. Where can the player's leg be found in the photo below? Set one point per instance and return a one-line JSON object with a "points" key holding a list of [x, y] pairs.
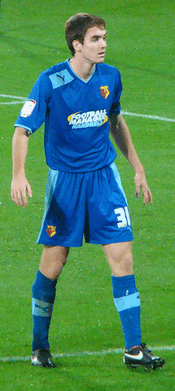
{"points": [[62, 227], [125, 293], [127, 303], [43, 295], [109, 224]]}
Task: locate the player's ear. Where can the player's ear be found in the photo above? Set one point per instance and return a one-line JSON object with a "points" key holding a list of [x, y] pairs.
{"points": [[77, 46]]}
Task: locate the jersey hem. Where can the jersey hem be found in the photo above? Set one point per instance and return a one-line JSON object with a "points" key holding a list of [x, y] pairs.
{"points": [[76, 170]]}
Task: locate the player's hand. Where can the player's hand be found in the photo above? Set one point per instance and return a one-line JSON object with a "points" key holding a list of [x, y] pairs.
{"points": [[141, 183], [20, 187]]}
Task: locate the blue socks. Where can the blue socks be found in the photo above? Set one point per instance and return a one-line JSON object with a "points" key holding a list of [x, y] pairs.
{"points": [[126, 300], [44, 291], [127, 303]]}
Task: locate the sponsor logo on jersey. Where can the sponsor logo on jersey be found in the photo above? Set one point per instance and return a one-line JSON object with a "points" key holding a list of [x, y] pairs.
{"points": [[88, 119], [28, 108], [104, 91], [51, 230]]}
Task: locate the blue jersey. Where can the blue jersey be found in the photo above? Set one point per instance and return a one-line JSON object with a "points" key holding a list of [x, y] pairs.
{"points": [[75, 112]]}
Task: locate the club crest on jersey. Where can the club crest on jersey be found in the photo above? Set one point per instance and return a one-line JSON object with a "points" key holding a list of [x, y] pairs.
{"points": [[51, 230], [104, 91]]}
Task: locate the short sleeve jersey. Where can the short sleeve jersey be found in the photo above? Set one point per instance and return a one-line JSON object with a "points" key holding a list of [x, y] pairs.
{"points": [[75, 113]]}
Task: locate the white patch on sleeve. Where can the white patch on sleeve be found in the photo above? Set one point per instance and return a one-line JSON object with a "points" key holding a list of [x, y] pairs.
{"points": [[28, 108]]}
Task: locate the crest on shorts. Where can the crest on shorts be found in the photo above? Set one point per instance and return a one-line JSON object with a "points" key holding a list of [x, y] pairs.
{"points": [[51, 230], [104, 91]]}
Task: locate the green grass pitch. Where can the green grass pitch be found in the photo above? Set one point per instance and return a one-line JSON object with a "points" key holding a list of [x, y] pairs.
{"points": [[141, 44]]}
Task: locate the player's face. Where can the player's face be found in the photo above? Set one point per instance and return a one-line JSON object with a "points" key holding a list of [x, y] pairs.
{"points": [[94, 45]]}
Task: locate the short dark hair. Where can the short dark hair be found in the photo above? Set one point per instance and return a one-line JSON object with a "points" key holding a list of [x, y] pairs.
{"points": [[77, 26]]}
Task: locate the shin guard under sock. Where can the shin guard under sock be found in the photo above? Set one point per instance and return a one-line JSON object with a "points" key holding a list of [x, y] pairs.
{"points": [[43, 296], [127, 303]]}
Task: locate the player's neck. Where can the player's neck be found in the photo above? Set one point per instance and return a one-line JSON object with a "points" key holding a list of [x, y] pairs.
{"points": [[83, 69]]}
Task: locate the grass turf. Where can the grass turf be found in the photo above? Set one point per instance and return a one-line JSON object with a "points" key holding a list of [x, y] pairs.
{"points": [[140, 44]]}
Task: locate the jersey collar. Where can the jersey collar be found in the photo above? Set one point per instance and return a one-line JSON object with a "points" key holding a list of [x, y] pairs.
{"points": [[75, 75]]}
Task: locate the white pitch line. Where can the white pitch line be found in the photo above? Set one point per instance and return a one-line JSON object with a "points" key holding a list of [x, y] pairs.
{"points": [[13, 102], [12, 97], [20, 99], [155, 117], [85, 353]]}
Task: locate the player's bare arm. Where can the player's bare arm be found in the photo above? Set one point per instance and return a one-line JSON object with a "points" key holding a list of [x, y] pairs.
{"points": [[121, 135], [20, 185]]}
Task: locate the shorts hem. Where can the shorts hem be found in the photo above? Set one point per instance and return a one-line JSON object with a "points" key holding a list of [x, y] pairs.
{"points": [[111, 241], [60, 244]]}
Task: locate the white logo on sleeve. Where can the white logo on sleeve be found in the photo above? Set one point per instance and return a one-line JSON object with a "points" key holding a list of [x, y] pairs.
{"points": [[28, 108]]}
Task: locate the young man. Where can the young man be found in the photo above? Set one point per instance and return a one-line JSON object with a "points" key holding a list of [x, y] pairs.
{"points": [[79, 101]]}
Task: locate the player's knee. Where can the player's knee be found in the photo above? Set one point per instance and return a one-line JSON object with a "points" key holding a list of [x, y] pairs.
{"points": [[53, 260], [128, 264], [122, 263], [63, 261], [63, 255]]}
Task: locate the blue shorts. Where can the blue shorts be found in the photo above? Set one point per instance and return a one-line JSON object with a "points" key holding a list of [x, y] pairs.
{"points": [[91, 204]]}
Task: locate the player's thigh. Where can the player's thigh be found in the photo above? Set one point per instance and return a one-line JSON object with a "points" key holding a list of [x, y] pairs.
{"points": [[119, 257]]}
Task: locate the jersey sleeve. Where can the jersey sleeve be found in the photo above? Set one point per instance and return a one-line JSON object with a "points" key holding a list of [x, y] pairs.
{"points": [[34, 110], [116, 108]]}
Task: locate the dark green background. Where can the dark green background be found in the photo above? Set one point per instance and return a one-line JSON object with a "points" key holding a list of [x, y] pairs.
{"points": [[141, 44]]}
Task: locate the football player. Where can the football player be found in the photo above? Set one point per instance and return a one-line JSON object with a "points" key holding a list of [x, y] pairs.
{"points": [[79, 102]]}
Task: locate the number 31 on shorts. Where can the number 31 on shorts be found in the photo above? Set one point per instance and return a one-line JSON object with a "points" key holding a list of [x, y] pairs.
{"points": [[122, 217]]}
